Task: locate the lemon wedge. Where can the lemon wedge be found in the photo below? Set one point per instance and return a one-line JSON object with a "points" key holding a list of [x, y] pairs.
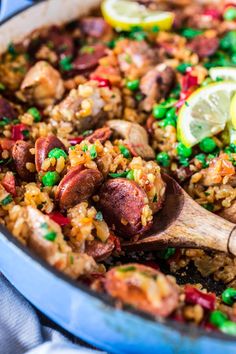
{"points": [[206, 112], [225, 73], [125, 14]]}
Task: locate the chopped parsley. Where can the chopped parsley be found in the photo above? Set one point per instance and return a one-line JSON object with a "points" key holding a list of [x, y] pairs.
{"points": [[4, 121], [93, 152], [126, 269], [85, 148], [65, 63], [7, 200], [99, 216], [125, 152], [87, 50], [50, 236], [118, 175]]}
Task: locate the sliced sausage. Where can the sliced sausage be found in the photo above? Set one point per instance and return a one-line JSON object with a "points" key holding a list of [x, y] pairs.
{"points": [[144, 288], [100, 250], [43, 146], [203, 46], [78, 185], [94, 27], [88, 61], [102, 134], [61, 42], [9, 183], [121, 201], [6, 109], [21, 155]]}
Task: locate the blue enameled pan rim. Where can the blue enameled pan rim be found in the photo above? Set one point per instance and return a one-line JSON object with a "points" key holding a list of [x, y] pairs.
{"points": [[183, 328]]}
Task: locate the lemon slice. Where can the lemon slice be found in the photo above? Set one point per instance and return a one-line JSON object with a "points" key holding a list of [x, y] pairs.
{"points": [[231, 133], [233, 111], [205, 113], [225, 73], [125, 14]]}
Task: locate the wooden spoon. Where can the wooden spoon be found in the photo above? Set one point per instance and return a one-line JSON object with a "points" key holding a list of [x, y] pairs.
{"points": [[184, 223]]}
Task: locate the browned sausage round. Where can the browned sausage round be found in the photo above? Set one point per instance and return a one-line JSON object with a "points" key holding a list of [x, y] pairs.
{"points": [[101, 134], [100, 250], [121, 201], [87, 61], [43, 146], [94, 26], [61, 42], [131, 283], [79, 184], [21, 155], [203, 46]]}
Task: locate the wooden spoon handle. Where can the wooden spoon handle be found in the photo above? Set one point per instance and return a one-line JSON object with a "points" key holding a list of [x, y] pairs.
{"points": [[194, 227], [197, 227]]}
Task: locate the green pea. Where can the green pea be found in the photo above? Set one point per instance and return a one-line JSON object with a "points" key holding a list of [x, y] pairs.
{"points": [[171, 114], [225, 43], [159, 111], [233, 58], [163, 159], [230, 14], [207, 145], [183, 67], [217, 318], [190, 33], [56, 152], [35, 113], [167, 121], [50, 178], [228, 327], [130, 175], [132, 85], [232, 147], [125, 152], [184, 161], [184, 151], [228, 42], [229, 296]]}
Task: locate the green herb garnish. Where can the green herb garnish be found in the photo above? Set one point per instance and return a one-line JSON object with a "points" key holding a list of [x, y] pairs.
{"points": [[7, 200]]}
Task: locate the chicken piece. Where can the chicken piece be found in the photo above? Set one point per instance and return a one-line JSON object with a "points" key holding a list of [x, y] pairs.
{"points": [[46, 238], [219, 168], [135, 136], [42, 84], [135, 57], [82, 108], [156, 84]]}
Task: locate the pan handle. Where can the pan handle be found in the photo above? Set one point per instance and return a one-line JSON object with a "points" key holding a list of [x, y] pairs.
{"points": [[11, 7]]}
